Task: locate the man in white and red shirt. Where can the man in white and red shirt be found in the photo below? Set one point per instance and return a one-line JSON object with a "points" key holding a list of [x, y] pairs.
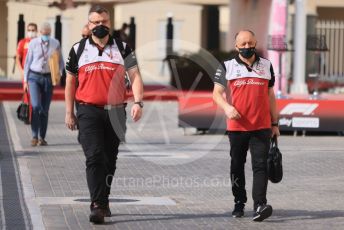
{"points": [[96, 81], [250, 107]]}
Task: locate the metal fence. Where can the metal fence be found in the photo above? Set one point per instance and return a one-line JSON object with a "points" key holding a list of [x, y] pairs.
{"points": [[332, 60]]}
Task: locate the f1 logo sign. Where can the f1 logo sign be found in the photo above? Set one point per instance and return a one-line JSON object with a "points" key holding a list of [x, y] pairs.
{"points": [[303, 108]]}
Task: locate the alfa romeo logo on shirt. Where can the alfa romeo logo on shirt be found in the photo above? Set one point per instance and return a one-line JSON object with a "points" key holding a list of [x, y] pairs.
{"points": [[101, 66], [239, 83]]}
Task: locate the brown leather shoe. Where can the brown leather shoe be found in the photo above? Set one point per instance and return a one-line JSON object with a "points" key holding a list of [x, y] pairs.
{"points": [[97, 214], [34, 142], [42, 142]]}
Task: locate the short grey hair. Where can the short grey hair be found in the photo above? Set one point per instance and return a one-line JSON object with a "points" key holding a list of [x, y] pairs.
{"points": [[45, 26], [245, 30], [98, 9]]}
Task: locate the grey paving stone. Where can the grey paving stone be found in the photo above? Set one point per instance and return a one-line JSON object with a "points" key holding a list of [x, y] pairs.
{"points": [[309, 196], [13, 211]]}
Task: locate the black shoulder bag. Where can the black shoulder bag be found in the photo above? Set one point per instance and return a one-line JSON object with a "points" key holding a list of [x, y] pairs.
{"points": [[275, 169], [23, 110]]}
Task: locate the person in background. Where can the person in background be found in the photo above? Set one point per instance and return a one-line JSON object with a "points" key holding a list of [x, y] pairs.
{"points": [[250, 107], [37, 78], [85, 32], [122, 33], [23, 45]]}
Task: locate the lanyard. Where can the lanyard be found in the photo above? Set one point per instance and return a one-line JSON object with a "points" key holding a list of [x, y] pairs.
{"points": [[249, 67], [45, 54]]}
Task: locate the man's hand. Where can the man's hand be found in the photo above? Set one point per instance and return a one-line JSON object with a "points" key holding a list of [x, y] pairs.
{"points": [[71, 121], [275, 131], [136, 112], [25, 87], [232, 113], [219, 98]]}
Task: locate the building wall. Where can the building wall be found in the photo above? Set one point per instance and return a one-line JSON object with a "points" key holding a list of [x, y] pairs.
{"points": [[151, 21], [224, 26], [150, 17], [253, 15], [330, 13], [332, 8], [72, 23], [3, 40], [326, 3]]}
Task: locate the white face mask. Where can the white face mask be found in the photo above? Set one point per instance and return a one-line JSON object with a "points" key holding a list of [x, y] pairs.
{"points": [[31, 34]]}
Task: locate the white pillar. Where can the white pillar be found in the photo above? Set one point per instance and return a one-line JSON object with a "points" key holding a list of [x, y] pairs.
{"points": [[253, 15], [4, 68], [299, 72]]}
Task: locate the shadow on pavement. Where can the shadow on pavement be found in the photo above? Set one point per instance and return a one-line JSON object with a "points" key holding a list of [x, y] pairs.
{"points": [[287, 215], [278, 216], [159, 217]]}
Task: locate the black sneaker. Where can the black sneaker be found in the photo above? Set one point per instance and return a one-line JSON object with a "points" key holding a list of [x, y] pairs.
{"points": [[238, 210], [97, 214], [262, 212]]}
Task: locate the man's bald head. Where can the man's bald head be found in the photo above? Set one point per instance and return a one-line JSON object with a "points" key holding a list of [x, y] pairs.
{"points": [[249, 31], [245, 39], [245, 43]]}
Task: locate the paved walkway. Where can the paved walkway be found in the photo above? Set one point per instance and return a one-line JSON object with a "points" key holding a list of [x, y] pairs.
{"points": [[164, 179]]}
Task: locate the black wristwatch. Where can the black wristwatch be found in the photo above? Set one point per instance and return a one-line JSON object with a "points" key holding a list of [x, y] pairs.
{"points": [[140, 103], [274, 124]]}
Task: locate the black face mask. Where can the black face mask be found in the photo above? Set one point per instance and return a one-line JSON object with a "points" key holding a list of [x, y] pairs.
{"points": [[100, 31], [247, 52]]}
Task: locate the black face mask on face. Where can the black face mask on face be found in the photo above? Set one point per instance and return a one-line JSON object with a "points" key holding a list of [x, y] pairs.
{"points": [[247, 52], [100, 31]]}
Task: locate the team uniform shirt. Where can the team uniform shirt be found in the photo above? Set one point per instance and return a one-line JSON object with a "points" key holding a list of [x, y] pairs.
{"points": [[23, 46], [100, 72], [248, 87]]}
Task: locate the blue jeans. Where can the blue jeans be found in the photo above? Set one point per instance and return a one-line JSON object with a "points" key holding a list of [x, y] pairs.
{"points": [[41, 90]]}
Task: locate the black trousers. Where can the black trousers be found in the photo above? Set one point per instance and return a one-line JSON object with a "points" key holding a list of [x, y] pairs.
{"points": [[100, 143], [259, 143]]}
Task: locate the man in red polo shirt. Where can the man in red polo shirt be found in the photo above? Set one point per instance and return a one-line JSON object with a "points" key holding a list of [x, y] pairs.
{"points": [[23, 46], [250, 108], [100, 70]]}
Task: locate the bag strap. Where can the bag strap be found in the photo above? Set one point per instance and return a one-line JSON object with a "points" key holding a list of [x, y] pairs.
{"points": [[274, 142], [121, 49], [82, 44], [80, 49], [26, 97]]}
